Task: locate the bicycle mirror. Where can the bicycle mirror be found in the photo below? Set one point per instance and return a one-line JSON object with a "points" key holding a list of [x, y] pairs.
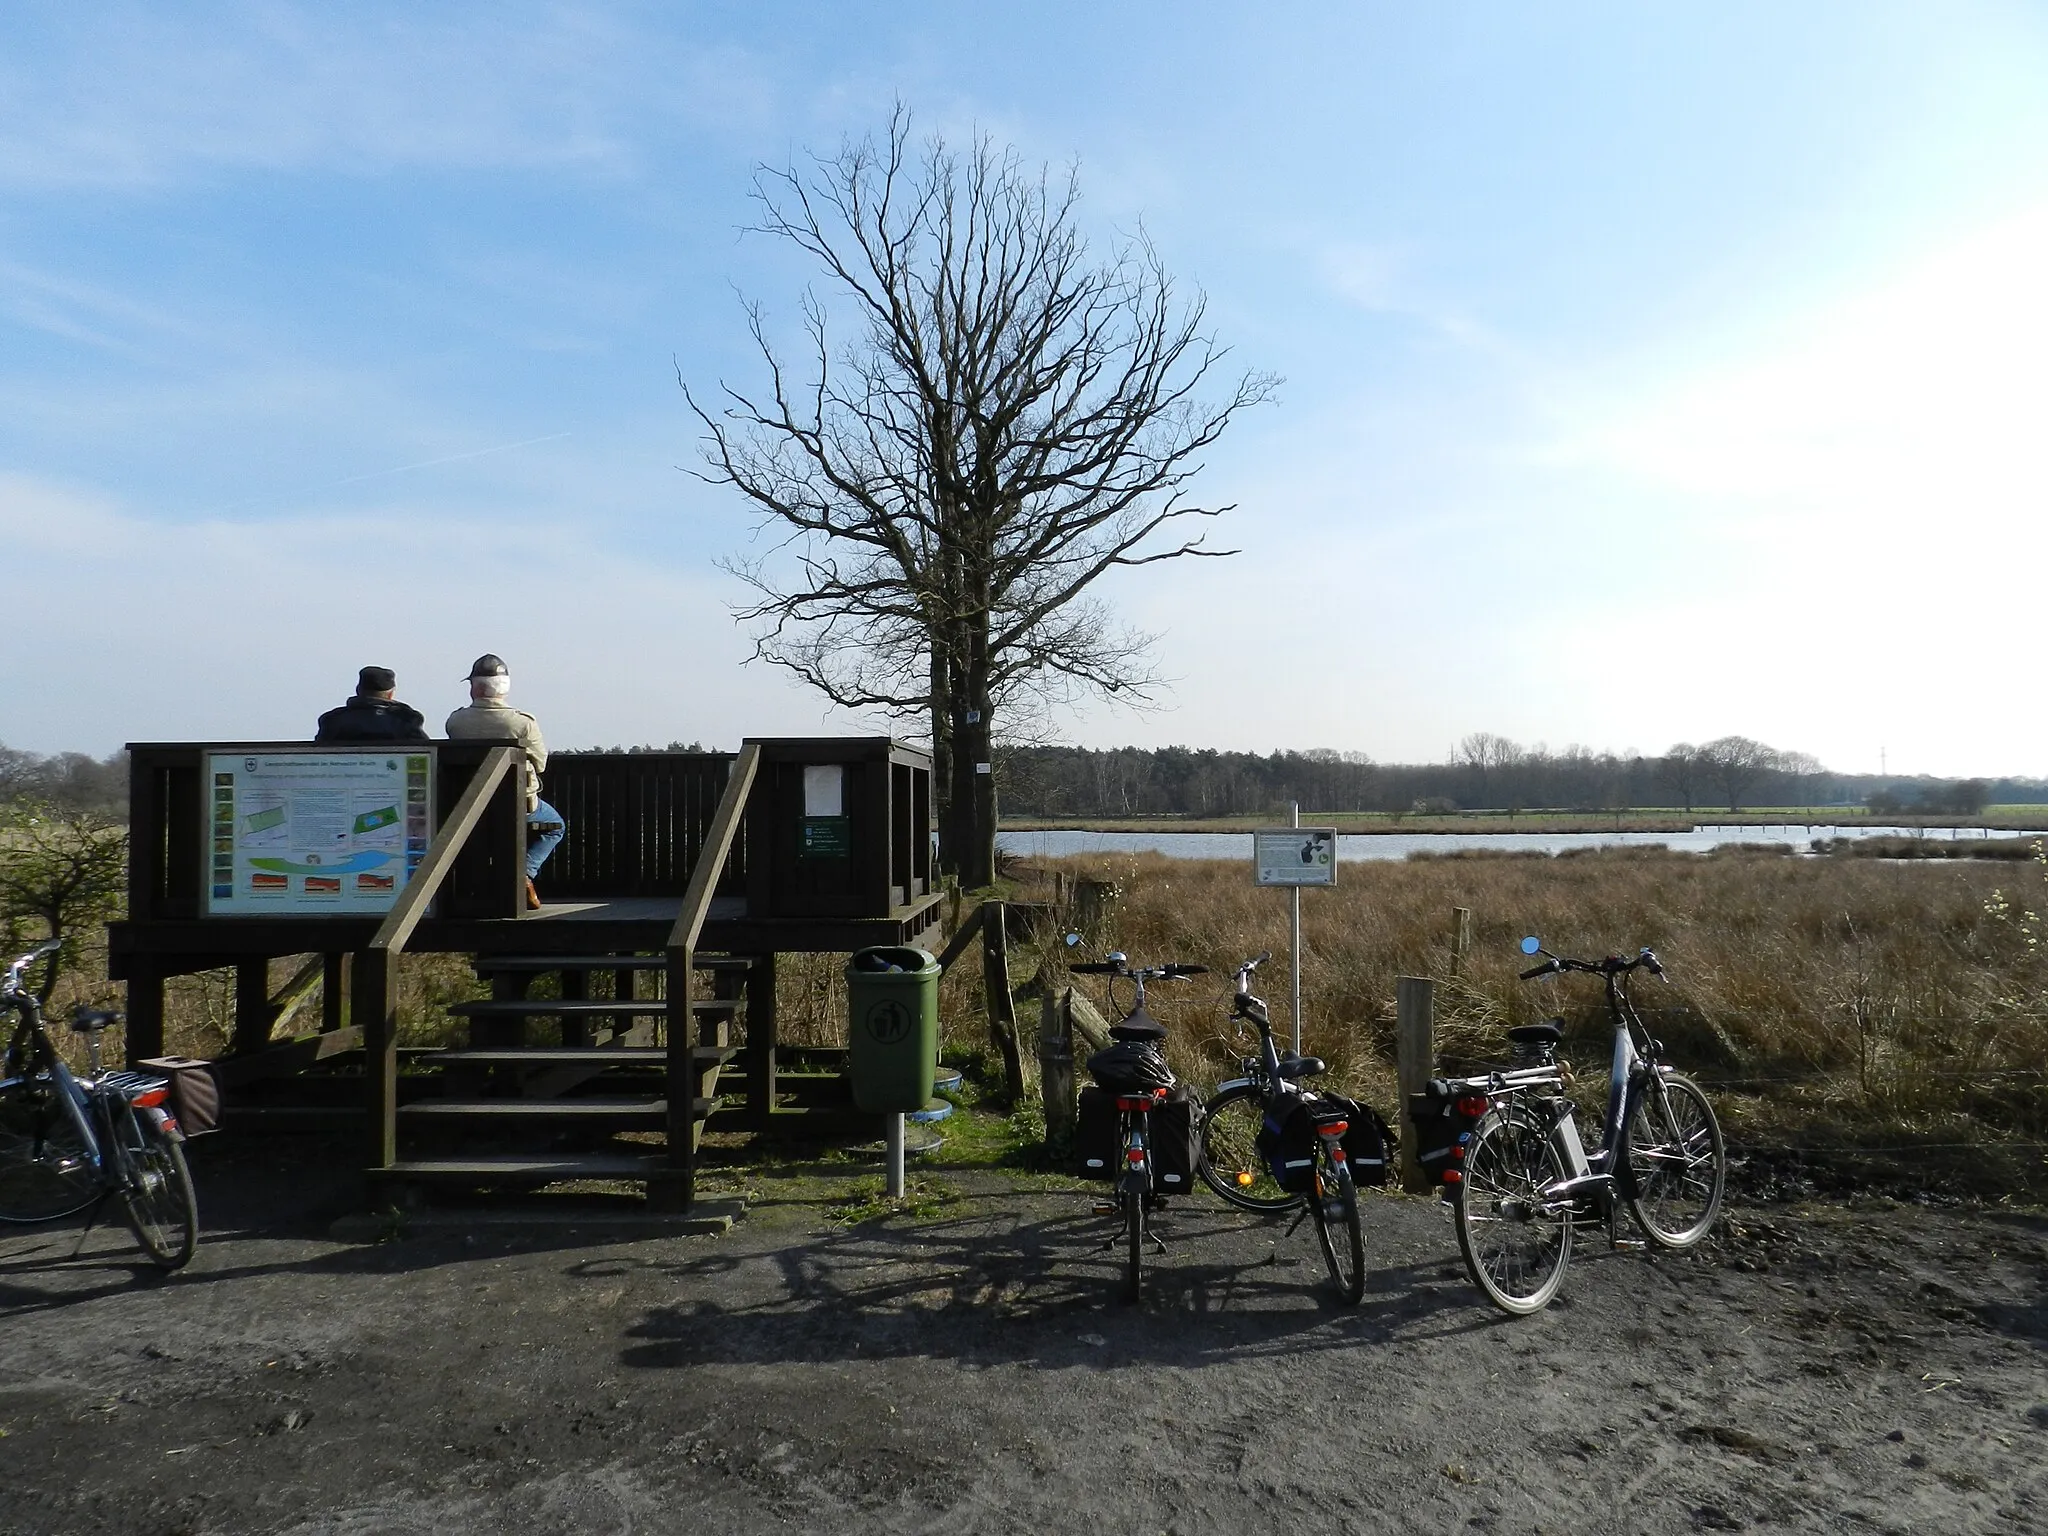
{"points": [[1532, 945]]}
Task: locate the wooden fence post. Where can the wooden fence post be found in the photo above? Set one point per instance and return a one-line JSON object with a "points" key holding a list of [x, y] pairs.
{"points": [[1002, 1007], [1461, 938], [1056, 1066], [1414, 1061]]}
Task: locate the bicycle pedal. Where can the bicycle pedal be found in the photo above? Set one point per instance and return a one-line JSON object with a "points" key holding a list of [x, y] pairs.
{"points": [[1627, 1244], [1105, 1208]]}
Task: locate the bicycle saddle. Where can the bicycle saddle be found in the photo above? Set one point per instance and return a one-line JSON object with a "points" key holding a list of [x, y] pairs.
{"points": [[1139, 1026], [1535, 1034], [1292, 1066], [87, 1021]]}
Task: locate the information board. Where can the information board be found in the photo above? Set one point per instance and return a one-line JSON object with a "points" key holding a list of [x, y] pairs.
{"points": [[314, 834], [1294, 856]]}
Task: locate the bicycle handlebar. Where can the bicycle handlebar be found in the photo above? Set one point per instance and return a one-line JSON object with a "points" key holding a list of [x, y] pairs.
{"points": [[1613, 965], [1172, 972], [20, 963]]}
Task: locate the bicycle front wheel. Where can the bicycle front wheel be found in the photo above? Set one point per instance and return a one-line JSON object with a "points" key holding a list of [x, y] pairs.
{"points": [[1230, 1162], [1677, 1162], [46, 1168], [156, 1189], [1516, 1246], [1338, 1227]]}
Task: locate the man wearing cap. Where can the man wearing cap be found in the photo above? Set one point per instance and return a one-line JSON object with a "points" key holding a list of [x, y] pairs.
{"points": [[373, 715], [487, 717]]}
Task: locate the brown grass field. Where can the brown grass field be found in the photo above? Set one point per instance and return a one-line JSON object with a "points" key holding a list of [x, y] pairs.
{"points": [[1878, 1012]]}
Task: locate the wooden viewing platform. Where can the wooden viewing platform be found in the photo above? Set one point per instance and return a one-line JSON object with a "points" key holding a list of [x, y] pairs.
{"points": [[681, 878]]}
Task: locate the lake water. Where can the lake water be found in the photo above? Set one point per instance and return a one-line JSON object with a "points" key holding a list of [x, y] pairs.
{"points": [[1398, 845]]}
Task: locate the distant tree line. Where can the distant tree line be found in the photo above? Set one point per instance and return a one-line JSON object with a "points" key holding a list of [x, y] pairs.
{"points": [[1489, 773], [70, 782]]}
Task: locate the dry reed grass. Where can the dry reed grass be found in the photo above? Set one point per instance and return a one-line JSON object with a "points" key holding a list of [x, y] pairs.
{"points": [[1844, 1001]]}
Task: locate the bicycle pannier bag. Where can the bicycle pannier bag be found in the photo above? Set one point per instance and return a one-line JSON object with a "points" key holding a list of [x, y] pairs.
{"points": [[1443, 1125], [1130, 1066], [1369, 1142], [1171, 1131], [1095, 1139], [195, 1093], [1287, 1140]]}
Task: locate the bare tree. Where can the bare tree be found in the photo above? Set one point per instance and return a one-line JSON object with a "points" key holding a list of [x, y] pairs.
{"points": [[1734, 763], [1486, 754], [1682, 770], [1011, 421]]}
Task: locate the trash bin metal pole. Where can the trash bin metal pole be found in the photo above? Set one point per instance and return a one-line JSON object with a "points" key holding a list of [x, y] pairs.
{"points": [[895, 1156]]}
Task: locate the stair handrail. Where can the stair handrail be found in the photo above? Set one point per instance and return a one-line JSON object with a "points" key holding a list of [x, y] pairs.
{"points": [[718, 841], [411, 906]]}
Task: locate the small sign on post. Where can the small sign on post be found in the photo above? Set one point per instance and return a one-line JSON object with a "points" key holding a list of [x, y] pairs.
{"points": [[1294, 856]]}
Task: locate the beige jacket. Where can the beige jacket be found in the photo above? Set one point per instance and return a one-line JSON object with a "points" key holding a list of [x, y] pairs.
{"points": [[490, 720]]}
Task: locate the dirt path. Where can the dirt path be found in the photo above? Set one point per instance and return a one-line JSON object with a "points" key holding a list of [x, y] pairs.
{"points": [[1879, 1369]]}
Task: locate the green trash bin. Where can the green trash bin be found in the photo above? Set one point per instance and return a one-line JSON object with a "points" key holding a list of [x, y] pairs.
{"points": [[892, 1028]]}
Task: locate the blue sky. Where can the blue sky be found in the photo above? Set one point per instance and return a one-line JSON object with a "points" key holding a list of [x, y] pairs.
{"points": [[1652, 373]]}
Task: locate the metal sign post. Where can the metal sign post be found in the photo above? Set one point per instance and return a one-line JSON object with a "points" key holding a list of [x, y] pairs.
{"points": [[1295, 856]]}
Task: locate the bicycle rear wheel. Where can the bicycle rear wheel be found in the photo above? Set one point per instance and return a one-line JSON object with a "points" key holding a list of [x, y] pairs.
{"points": [[1677, 1162], [46, 1167], [1515, 1248], [1230, 1162], [156, 1189], [1338, 1226]]}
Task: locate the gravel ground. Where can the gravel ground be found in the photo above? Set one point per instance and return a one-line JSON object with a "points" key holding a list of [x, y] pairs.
{"points": [[1864, 1367]]}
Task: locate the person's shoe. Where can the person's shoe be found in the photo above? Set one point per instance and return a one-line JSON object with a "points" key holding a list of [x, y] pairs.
{"points": [[532, 898]]}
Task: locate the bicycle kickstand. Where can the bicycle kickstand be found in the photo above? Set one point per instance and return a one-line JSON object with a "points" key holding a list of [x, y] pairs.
{"points": [[91, 1220]]}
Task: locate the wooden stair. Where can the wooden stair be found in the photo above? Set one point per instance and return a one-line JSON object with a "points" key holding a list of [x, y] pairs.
{"points": [[505, 1104]]}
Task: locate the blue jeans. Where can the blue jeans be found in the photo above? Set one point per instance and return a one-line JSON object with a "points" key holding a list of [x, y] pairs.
{"points": [[540, 843]]}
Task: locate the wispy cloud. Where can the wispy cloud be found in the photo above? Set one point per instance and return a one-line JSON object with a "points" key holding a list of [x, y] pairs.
{"points": [[141, 96]]}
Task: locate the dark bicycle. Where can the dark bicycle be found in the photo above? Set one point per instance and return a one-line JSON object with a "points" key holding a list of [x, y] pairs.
{"points": [[1132, 1084], [1506, 1145], [1269, 1145], [68, 1143]]}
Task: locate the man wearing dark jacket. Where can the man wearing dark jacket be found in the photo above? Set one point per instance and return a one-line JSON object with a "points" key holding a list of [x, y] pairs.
{"points": [[372, 715]]}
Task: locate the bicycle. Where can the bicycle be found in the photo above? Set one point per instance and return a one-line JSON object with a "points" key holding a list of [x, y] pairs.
{"points": [[1133, 1072], [1241, 1126], [69, 1142], [1524, 1177]]}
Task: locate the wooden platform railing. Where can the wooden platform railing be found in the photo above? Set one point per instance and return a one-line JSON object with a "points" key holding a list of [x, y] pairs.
{"points": [[673, 1188], [638, 822], [375, 994]]}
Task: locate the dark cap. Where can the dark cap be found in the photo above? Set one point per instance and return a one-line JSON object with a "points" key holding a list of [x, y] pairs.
{"points": [[376, 680], [488, 665]]}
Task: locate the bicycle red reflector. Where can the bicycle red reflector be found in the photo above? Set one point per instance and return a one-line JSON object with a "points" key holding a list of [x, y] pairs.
{"points": [[1132, 1106], [1472, 1106], [151, 1099], [1134, 1155], [1334, 1127], [1452, 1176]]}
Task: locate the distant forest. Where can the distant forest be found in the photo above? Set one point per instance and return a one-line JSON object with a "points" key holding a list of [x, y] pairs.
{"points": [[1491, 773]]}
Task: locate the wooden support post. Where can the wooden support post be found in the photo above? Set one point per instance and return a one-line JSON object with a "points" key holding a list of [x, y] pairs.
{"points": [[1095, 908], [145, 1035], [374, 1001], [1461, 938], [761, 1040], [1414, 1062], [673, 1186], [1002, 1007], [253, 1013], [333, 993], [1056, 1066]]}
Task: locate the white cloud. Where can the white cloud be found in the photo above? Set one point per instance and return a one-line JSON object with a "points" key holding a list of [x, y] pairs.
{"points": [[247, 630], [139, 96]]}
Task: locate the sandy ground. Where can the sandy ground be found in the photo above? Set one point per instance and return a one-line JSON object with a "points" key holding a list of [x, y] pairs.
{"points": [[1862, 1367]]}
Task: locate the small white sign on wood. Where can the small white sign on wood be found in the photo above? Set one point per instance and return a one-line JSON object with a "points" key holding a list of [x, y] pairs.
{"points": [[1294, 856]]}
